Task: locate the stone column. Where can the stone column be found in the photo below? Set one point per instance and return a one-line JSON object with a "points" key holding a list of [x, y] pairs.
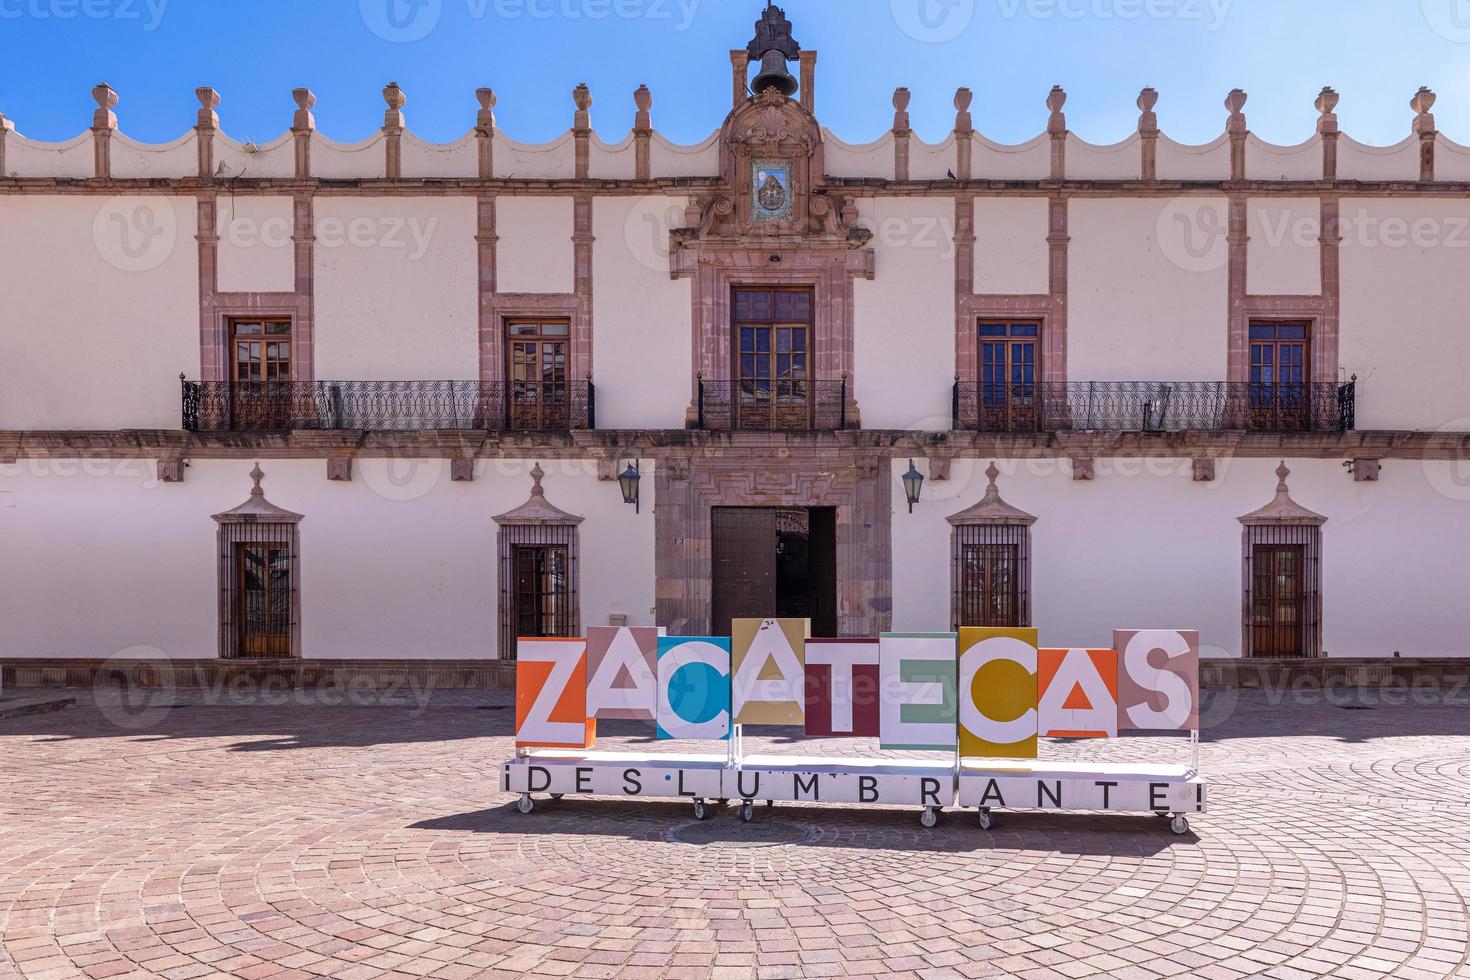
{"points": [[642, 133], [1238, 131], [205, 128], [1422, 103], [1056, 128], [393, 131], [1148, 134], [485, 132], [582, 129], [303, 124], [104, 124], [1327, 129], [901, 134], [964, 135]]}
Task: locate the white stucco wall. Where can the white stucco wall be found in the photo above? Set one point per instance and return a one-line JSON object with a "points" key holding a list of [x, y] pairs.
{"points": [[528, 161], [534, 253], [74, 157], [272, 158], [667, 159], [1405, 293], [1361, 161], [460, 158], [873, 159], [256, 253], [399, 563], [903, 321], [334, 160], [1284, 256], [101, 310], [419, 320], [931, 161], [1010, 245], [130, 158], [1182, 161], [1118, 161], [1144, 545], [1269, 161], [999, 161], [612, 161], [1147, 290], [640, 316]]}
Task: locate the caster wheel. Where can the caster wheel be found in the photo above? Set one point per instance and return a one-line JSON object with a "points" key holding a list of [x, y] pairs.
{"points": [[701, 810], [747, 811], [525, 804], [557, 796], [987, 820], [930, 817], [1179, 824]]}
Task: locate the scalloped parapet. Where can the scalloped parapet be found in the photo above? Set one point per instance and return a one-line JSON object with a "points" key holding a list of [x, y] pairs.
{"points": [[964, 154]]}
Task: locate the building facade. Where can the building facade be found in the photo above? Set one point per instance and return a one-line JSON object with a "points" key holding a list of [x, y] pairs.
{"points": [[1216, 387]]}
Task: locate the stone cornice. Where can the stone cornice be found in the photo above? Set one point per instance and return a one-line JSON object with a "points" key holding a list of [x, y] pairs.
{"points": [[676, 186], [177, 444]]}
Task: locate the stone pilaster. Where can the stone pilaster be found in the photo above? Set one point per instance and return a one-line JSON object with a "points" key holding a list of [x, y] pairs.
{"points": [[964, 134], [1239, 132], [582, 130], [1327, 129], [1148, 135], [1422, 103], [303, 124], [1056, 128], [901, 134], [642, 133], [104, 124], [205, 128], [393, 131], [485, 132]]}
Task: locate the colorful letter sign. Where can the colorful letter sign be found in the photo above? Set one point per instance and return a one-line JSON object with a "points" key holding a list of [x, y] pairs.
{"points": [[842, 688], [1078, 693], [551, 694], [997, 679], [767, 677], [1158, 680], [693, 687], [987, 691], [916, 676], [621, 667]]}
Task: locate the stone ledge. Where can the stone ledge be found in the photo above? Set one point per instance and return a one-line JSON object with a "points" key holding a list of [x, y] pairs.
{"points": [[19, 707], [438, 444]]}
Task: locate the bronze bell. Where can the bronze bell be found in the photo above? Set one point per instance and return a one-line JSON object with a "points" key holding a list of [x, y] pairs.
{"points": [[773, 47], [773, 74]]}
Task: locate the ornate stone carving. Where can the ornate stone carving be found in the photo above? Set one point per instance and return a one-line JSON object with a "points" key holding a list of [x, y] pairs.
{"points": [[991, 509], [537, 509], [1326, 108], [1282, 509], [1148, 120]]}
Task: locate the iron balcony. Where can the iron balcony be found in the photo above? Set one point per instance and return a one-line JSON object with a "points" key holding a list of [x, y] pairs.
{"points": [[282, 406], [1154, 406]]}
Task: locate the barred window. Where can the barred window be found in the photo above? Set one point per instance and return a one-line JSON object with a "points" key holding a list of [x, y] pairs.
{"points": [[259, 570], [538, 571], [990, 562]]}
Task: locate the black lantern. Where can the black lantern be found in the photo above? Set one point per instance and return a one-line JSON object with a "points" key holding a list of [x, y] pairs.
{"points": [[628, 480], [913, 482]]}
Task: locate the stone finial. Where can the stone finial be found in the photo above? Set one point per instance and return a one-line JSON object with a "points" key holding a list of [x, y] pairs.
{"points": [[1282, 509], [396, 99], [1148, 120], [1055, 100], [1327, 110], [537, 474], [643, 100], [1422, 102], [303, 121], [992, 473], [208, 103], [991, 509], [901, 98], [256, 475], [582, 99], [963, 121], [485, 119], [104, 117], [1235, 103]]}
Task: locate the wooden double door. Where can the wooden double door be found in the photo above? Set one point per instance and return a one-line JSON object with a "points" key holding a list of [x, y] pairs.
{"points": [[774, 563]]}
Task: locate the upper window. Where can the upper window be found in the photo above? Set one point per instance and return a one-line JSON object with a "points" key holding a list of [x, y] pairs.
{"points": [[1010, 367], [1279, 374], [537, 353], [773, 332], [260, 350]]}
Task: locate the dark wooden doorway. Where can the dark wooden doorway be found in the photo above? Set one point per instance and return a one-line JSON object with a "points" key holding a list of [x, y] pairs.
{"points": [[774, 562], [1277, 596]]}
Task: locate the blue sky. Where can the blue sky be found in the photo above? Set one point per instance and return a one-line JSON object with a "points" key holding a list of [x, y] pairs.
{"points": [[532, 52]]}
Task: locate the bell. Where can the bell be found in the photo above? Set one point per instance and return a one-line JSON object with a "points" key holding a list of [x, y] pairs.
{"points": [[773, 74]]}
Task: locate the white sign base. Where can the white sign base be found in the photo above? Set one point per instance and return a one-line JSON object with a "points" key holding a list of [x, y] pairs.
{"points": [[1113, 787], [880, 782], [633, 775]]}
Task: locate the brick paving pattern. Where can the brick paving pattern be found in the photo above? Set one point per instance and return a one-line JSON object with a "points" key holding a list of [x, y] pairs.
{"points": [[284, 839]]}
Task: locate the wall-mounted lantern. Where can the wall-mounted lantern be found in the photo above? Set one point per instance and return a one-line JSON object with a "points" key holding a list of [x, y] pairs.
{"points": [[628, 481], [913, 482]]}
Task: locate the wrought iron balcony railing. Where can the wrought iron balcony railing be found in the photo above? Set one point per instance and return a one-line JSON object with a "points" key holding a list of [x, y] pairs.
{"points": [[1155, 406], [281, 406], [773, 405]]}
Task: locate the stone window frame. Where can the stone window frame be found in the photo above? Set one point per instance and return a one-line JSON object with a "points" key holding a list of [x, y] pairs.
{"points": [[1283, 522], [537, 522], [256, 521], [991, 521]]}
